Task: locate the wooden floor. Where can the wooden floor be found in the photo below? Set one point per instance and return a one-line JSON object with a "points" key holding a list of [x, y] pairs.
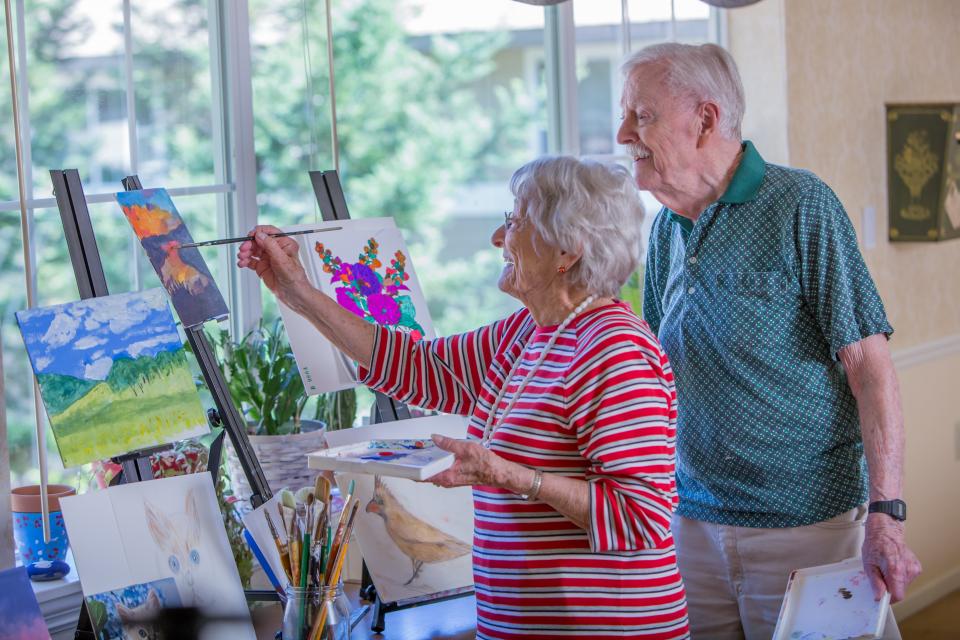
{"points": [[940, 621]]}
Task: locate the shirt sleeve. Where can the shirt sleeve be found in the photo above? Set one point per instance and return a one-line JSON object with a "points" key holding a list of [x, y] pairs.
{"points": [[836, 283], [622, 404], [444, 374]]}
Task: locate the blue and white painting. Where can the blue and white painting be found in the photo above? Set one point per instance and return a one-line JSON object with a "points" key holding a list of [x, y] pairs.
{"points": [[113, 375], [128, 613]]}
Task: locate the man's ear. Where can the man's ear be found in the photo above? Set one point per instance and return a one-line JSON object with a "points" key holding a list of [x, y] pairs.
{"points": [[708, 120]]}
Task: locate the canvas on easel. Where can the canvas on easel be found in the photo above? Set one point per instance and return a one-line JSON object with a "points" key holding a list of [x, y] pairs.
{"points": [[156, 543], [365, 266], [113, 375], [183, 272], [416, 538]]}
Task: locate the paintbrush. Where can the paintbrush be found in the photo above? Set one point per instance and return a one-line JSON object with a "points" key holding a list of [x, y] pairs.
{"points": [[334, 578], [286, 234], [281, 547]]}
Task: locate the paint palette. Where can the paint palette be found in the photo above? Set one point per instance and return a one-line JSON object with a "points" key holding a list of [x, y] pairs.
{"points": [[416, 459], [831, 602]]}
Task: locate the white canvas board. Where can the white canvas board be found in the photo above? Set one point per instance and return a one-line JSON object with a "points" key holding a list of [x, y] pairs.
{"points": [[830, 602], [415, 459], [366, 280], [402, 522], [154, 530], [255, 522]]}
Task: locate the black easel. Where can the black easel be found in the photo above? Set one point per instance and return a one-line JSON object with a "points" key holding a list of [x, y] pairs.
{"points": [[333, 206], [91, 282]]}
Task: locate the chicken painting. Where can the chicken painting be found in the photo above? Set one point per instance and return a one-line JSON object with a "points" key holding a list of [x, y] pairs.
{"points": [[183, 272], [176, 273], [420, 541]]}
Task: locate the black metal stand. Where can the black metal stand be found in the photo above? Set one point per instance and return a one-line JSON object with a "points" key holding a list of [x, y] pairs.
{"points": [[333, 206], [91, 282]]}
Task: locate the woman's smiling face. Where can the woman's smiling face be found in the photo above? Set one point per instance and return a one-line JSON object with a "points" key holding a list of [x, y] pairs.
{"points": [[528, 261]]}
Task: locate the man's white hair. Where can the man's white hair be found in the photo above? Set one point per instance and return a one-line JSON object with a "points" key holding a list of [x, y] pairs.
{"points": [[705, 72], [584, 206]]}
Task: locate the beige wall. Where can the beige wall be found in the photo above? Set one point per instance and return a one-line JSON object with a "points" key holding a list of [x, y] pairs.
{"points": [[843, 60]]}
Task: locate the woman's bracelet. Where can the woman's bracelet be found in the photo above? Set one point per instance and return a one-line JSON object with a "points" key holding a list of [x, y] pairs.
{"points": [[534, 489]]}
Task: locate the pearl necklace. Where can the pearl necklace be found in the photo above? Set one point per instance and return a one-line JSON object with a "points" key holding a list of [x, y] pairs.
{"points": [[488, 427]]}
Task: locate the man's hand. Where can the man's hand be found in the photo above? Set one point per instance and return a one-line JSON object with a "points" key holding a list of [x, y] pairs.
{"points": [[887, 561]]}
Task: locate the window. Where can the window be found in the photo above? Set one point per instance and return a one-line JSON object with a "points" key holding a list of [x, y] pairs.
{"points": [[109, 87], [438, 102]]}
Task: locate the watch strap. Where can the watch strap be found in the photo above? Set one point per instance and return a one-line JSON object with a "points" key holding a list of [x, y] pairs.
{"points": [[896, 509]]}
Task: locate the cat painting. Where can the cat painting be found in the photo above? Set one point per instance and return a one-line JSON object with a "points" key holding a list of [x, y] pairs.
{"points": [[137, 621], [131, 612], [178, 538], [165, 535]]}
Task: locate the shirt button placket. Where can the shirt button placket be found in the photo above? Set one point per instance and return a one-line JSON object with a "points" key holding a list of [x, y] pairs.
{"points": [[691, 262]]}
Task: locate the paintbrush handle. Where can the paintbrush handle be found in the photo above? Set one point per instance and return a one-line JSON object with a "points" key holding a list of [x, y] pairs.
{"points": [[211, 243]]}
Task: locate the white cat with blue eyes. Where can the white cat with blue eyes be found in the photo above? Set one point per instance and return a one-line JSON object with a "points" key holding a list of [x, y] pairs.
{"points": [[169, 529], [179, 538]]}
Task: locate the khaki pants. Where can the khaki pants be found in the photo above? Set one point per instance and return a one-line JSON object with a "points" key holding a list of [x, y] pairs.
{"points": [[735, 577]]}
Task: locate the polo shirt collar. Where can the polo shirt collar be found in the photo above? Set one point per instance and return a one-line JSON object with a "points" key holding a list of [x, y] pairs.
{"points": [[744, 185]]}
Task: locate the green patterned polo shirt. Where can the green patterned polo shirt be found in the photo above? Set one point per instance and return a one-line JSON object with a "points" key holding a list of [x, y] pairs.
{"points": [[752, 304]]}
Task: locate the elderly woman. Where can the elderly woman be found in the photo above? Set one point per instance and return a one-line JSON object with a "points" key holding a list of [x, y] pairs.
{"points": [[572, 409]]}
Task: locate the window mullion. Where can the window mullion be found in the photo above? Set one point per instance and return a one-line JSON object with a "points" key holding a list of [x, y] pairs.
{"points": [[561, 71], [233, 85]]}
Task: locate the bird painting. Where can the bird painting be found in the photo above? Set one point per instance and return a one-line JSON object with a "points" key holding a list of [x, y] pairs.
{"points": [[176, 273], [420, 541]]}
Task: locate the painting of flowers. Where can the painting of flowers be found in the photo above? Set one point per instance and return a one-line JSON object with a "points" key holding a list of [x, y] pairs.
{"points": [[366, 267], [113, 375], [183, 272], [20, 617]]}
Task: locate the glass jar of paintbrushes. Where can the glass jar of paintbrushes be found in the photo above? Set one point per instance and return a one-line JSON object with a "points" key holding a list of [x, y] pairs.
{"points": [[322, 613], [312, 553]]}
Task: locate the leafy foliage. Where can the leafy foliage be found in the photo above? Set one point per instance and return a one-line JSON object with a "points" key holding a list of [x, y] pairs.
{"points": [[263, 378]]}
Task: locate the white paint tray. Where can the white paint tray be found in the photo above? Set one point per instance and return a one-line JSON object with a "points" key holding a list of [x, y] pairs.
{"points": [[831, 602]]}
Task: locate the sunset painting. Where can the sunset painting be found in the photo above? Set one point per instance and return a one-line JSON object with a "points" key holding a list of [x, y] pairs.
{"points": [[183, 272]]}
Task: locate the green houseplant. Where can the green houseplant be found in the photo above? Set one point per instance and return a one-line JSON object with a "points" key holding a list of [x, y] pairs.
{"points": [[263, 379]]}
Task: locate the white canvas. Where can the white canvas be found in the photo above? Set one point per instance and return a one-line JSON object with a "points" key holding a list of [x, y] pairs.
{"points": [[409, 521], [255, 522], [149, 531], [322, 367], [831, 601]]}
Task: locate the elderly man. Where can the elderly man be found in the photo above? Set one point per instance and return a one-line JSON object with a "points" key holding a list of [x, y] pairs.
{"points": [[756, 288]]}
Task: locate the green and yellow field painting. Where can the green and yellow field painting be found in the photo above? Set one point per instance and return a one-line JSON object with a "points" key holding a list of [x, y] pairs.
{"points": [[113, 375]]}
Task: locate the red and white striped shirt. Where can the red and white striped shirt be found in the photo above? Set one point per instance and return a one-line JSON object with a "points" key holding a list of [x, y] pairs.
{"points": [[602, 408]]}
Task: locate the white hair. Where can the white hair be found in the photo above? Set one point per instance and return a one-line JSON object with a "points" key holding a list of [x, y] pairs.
{"points": [[705, 72], [586, 207]]}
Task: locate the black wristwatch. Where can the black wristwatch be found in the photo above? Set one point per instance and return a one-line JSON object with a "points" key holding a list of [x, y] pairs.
{"points": [[896, 509]]}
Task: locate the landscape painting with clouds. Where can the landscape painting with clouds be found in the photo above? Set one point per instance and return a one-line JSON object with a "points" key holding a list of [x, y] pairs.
{"points": [[113, 375]]}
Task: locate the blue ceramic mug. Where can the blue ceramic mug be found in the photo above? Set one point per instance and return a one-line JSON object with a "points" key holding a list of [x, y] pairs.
{"points": [[28, 524]]}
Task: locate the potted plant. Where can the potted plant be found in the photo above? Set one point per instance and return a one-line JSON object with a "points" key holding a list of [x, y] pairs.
{"points": [[262, 375]]}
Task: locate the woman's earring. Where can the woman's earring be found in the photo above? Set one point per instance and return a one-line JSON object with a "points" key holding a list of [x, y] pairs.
{"points": [[561, 269]]}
